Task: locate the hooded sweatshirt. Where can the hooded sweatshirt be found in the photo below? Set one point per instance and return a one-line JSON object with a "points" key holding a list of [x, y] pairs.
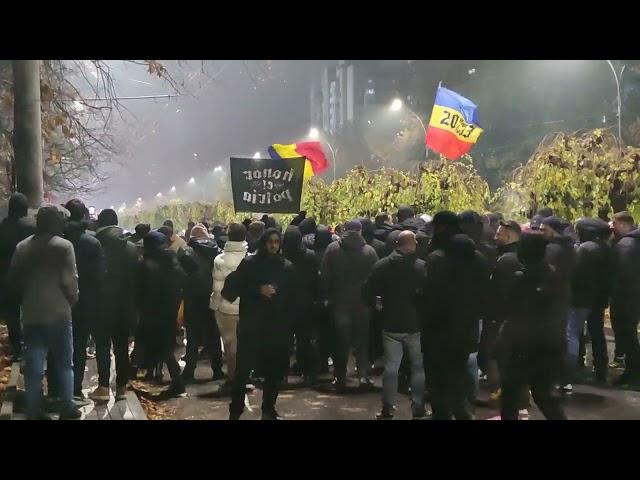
{"points": [[13, 229], [268, 320], [455, 293], [626, 268], [368, 233], [345, 268], [305, 265], [591, 283]]}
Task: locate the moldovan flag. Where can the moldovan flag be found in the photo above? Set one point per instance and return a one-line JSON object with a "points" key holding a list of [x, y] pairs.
{"points": [[453, 128], [316, 162]]}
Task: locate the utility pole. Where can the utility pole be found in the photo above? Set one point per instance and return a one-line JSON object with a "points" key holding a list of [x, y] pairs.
{"points": [[27, 130]]}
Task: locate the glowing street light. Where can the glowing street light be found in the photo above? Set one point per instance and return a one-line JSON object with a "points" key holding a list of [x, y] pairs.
{"points": [[314, 133], [219, 168], [256, 155], [173, 189], [192, 181], [396, 105], [159, 195]]}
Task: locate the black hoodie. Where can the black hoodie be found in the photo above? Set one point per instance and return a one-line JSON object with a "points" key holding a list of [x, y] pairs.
{"points": [[368, 233], [91, 263], [197, 262], [502, 279], [592, 276], [267, 319], [398, 279], [345, 268], [561, 254], [455, 294], [13, 229], [305, 265], [626, 271]]}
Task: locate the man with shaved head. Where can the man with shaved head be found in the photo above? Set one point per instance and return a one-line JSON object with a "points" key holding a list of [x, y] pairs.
{"points": [[393, 287]]}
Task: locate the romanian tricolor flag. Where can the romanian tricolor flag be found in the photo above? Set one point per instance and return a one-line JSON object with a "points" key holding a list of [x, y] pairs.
{"points": [[316, 161], [453, 128]]}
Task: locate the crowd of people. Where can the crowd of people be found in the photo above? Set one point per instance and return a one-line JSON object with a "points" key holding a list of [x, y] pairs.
{"points": [[433, 302]]}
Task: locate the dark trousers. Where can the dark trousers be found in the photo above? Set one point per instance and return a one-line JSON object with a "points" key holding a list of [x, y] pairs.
{"points": [[166, 355], [81, 332], [618, 352], [11, 313], [326, 335], [537, 372], [272, 357], [626, 333], [352, 328], [376, 349], [446, 374], [202, 330], [595, 327], [306, 334], [108, 332]]}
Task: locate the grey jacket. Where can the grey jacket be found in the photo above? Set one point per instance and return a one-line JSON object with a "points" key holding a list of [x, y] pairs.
{"points": [[346, 266], [43, 272]]}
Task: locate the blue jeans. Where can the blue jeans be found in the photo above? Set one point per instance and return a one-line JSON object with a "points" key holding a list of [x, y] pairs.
{"points": [[575, 327], [40, 339], [473, 382], [393, 345], [352, 328]]}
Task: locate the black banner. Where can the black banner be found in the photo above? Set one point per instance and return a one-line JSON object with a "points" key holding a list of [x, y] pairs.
{"points": [[267, 185]]}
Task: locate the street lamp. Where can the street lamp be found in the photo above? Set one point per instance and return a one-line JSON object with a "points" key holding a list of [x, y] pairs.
{"points": [[159, 195], [192, 181], [618, 79], [397, 104], [173, 189], [314, 134], [256, 155], [219, 168]]}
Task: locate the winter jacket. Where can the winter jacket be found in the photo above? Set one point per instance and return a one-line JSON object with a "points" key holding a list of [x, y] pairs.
{"points": [[455, 296], [160, 279], [268, 320], [502, 279], [561, 255], [196, 259], [368, 233], [398, 279], [43, 273], [382, 231], [536, 310], [12, 231], [626, 272], [306, 268], [592, 275], [223, 265], [176, 243], [91, 264], [117, 294], [345, 268]]}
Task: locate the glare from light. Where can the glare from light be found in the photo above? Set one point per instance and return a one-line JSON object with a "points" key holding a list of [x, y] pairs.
{"points": [[192, 180], [159, 194], [256, 155], [218, 168], [314, 133], [112, 207], [472, 71], [173, 189], [396, 105], [139, 200]]}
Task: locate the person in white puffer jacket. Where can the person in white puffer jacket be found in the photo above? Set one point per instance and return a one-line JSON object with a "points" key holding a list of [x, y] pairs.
{"points": [[227, 314]]}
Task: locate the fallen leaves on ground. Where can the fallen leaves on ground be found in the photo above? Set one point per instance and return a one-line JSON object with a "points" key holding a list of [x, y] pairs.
{"points": [[5, 362], [153, 410]]}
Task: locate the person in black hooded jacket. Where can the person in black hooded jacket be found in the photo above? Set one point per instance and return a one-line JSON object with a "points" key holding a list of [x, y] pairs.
{"points": [[13, 229], [591, 286], [323, 315], [455, 295], [266, 285], [533, 331], [345, 268], [561, 254], [306, 267], [92, 266], [308, 230], [160, 280], [197, 262], [368, 233], [625, 304]]}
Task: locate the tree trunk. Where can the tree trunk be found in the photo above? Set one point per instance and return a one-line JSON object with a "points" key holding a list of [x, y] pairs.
{"points": [[27, 132]]}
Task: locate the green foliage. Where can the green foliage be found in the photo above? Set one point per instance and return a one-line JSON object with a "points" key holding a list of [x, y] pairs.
{"points": [[441, 185], [576, 175]]}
